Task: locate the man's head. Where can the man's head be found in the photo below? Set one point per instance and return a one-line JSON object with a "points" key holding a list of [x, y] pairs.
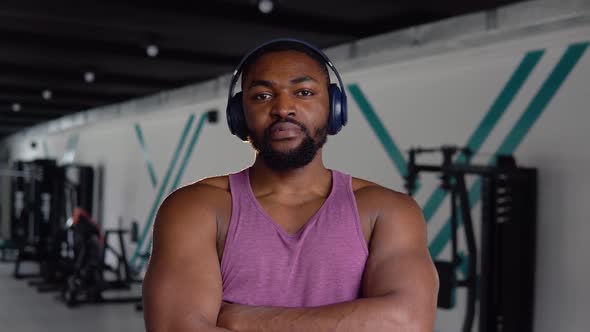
{"points": [[285, 99], [287, 105]]}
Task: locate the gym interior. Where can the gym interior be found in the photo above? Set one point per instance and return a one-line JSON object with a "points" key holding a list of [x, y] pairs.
{"points": [[481, 116]]}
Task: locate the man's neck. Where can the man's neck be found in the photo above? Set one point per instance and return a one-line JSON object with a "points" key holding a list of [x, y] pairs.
{"points": [[313, 177]]}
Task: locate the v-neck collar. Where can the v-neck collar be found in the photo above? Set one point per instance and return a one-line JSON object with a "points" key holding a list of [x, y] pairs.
{"points": [[278, 227]]}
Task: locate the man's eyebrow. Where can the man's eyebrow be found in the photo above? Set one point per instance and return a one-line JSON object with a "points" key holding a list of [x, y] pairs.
{"points": [[270, 84], [302, 79], [265, 83]]}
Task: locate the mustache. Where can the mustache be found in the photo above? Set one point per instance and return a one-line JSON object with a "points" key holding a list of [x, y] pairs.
{"points": [[286, 120]]}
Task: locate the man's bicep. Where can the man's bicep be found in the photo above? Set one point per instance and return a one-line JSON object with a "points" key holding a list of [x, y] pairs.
{"points": [[182, 287], [399, 263]]}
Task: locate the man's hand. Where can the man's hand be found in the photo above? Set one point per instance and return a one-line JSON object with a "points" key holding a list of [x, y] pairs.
{"points": [[229, 314]]}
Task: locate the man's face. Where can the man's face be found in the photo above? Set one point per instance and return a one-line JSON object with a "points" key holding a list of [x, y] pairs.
{"points": [[285, 98]]}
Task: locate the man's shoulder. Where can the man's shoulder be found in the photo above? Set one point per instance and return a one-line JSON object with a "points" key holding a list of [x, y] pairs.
{"points": [[377, 194], [205, 193], [365, 186], [387, 207], [214, 183]]}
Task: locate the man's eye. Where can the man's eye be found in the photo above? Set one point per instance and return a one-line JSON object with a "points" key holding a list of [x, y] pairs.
{"points": [[262, 96], [305, 93]]}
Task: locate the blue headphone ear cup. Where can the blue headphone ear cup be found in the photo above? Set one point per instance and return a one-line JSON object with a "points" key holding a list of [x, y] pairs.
{"points": [[235, 117], [343, 108], [337, 118]]}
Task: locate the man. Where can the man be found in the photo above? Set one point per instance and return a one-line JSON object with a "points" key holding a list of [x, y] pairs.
{"points": [[287, 244]]}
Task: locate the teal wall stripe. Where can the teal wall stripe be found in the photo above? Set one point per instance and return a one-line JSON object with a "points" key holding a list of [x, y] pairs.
{"points": [[189, 152], [393, 152], [69, 143], [181, 170], [433, 203], [489, 122], [162, 190], [543, 97], [521, 129], [71, 146], [75, 140], [146, 155], [144, 258], [501, 104], [45, 149]]}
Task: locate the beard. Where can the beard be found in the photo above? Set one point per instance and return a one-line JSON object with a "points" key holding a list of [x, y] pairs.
{"points": [[295, 158]]}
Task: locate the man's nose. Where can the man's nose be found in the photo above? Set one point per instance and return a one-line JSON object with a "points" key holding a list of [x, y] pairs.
{"points": [[283, 106]]}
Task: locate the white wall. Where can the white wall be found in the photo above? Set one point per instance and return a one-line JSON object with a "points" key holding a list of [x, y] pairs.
{"points": [[430, 94]]}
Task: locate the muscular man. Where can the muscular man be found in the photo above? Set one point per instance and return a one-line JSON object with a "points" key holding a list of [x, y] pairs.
{"points": [[288, 244]]}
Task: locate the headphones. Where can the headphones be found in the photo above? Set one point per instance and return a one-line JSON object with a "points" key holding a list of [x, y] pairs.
{"points": [[337, 96]]}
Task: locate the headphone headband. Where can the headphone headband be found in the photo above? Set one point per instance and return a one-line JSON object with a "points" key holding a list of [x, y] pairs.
{"points": [[240, 67]]}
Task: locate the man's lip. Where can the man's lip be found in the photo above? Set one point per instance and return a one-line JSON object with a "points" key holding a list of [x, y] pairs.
{"points": [[284, 126], [284, 130]]}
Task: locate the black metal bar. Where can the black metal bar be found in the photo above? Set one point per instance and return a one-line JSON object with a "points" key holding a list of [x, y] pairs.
{"points": [[454, 226], [487, 298], [457, 169], [412, 174], [124, 258], [471, 251]]}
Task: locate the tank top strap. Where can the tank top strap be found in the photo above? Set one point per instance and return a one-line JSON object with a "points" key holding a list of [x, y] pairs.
{"points": [[238, 182], [344, 200], [342, 187], [237, 186]]}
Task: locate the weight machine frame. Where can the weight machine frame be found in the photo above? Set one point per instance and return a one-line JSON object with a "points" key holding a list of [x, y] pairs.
{"points": [[453, 181]]}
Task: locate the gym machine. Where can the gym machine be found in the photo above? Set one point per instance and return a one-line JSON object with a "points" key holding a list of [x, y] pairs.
{"points": [[90, 249], [92, 276], [34, 214], [79, 260], [42, 239], [506, 259], [76, 184], [9, 175]]}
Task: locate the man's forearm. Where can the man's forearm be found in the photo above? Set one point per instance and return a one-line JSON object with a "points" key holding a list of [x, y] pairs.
{"points": [[193, 326], [368, 314], [216, 329]]}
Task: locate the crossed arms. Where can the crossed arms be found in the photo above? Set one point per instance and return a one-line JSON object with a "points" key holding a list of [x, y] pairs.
{"points": [[183, 290]]}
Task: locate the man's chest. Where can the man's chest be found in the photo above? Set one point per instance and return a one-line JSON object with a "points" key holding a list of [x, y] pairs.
{"points": [[291, 218], [319, 261]]}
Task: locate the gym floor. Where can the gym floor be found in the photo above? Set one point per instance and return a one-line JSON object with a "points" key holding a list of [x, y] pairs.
{"points": [[24, 309]]}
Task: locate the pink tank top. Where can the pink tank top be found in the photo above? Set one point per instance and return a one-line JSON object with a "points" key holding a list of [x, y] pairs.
{"points": [[323, 263]]}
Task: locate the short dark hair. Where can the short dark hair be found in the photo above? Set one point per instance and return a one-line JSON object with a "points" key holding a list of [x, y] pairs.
{"points": [[282, 46]]}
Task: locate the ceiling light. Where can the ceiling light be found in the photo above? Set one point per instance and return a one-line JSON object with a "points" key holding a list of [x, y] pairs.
{"points": [[89, 77], [16, 107], [265, 6], [152, 50], [47, 94]]}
